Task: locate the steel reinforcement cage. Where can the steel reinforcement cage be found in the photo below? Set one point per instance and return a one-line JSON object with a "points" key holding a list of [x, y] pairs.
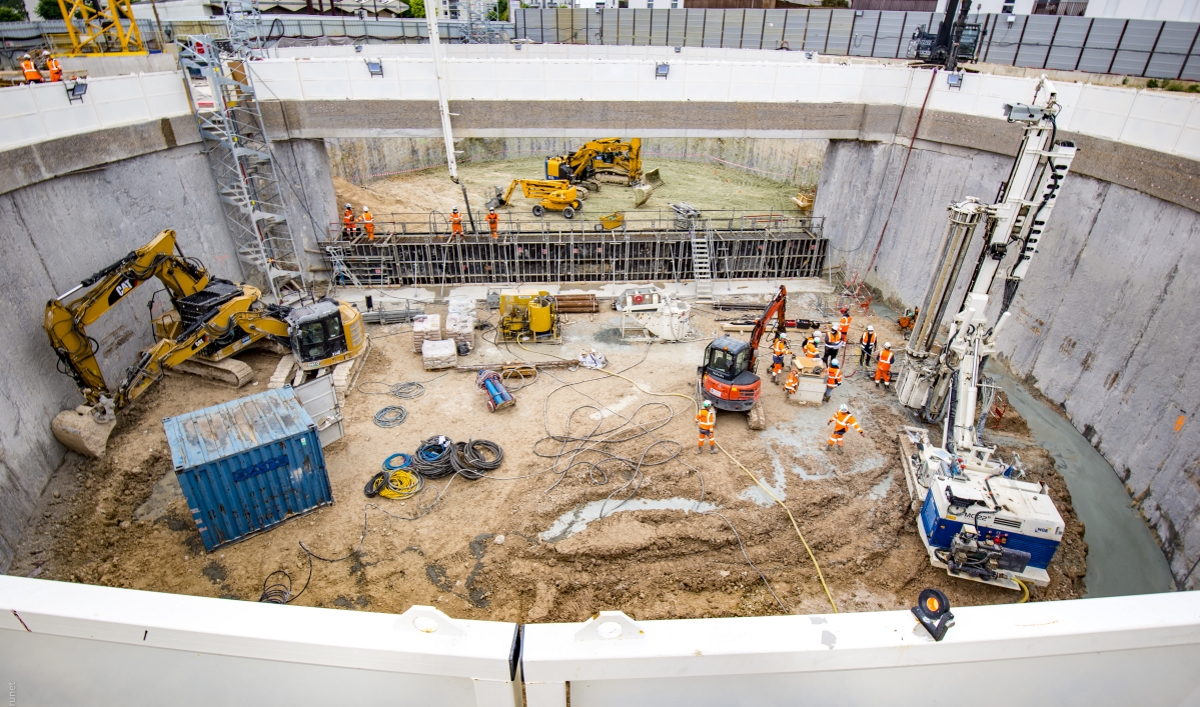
{"points": [[417, 249]]}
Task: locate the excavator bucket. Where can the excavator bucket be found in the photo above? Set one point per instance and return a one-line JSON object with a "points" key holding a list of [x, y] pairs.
{"points": [[643, 189], [79, 431]]}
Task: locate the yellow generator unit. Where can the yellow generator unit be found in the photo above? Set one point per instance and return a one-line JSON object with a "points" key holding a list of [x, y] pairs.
{"points": [[529, 318]]}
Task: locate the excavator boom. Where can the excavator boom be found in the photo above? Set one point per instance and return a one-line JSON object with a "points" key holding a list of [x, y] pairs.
{"points": [[775, 308]]}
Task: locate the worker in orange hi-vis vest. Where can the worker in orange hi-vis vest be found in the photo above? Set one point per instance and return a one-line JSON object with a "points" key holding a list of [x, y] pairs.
{"points": [[833, 378], [842, 421], [812, 348], [883, 370], [456, 230], [52, 66], [834, 341], [866, 346], [29, 70], [779, 349], [793, 380], [707, 420], [368, 222], [844, 323], [493, 219], [348, 228]]}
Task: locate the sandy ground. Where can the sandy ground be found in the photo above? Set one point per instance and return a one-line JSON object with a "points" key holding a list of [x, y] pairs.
{"points": [[703, 186], [120, 522]]}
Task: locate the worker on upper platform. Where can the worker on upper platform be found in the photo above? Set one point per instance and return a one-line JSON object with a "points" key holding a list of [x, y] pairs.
{"points": [[368, 222], [348, 228], [493, 220], [883, 370], [866, 346], [844, 324], [707, 420], [52, 66], [29, 70], [833, 378], [456, 229], [842, 421], [779, 349], [834, 341]]}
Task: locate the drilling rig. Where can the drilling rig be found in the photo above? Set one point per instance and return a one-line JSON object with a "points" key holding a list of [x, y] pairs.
{"points": [[977, 519]]}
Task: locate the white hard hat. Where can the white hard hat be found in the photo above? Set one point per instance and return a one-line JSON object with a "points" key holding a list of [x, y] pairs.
{"points": [[45, 52], [870, 328], [835, 364], [26, 57], [707, 403], [366, 208], [844, 408], [887, 345], [783, 335], [347, 206]]}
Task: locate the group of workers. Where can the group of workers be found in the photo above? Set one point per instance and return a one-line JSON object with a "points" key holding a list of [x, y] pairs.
{"points": [[31, 72], [353, 226], [828, 349]]}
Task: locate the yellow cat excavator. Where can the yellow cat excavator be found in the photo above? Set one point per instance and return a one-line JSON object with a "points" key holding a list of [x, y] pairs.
{"points": [[554, 195], [610, 160], [212, 319]]}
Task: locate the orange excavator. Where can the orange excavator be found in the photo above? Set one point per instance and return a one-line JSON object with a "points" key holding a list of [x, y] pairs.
{"points": [[729, 377]]}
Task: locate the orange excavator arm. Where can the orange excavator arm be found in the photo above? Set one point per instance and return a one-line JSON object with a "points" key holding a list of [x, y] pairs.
{"points": [[775, 308]]}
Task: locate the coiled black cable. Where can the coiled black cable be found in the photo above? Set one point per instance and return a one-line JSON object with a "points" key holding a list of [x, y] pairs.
{"points": [[391, 416], [459, 462], [476, 450], [433, 459]]}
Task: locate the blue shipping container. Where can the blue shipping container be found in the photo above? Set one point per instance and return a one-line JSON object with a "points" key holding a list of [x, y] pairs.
{"points": [[248, 465]]}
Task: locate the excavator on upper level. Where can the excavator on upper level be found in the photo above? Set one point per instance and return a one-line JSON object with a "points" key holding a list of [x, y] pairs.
{"points": [[729, 375], [608, 159], [212, 319]]}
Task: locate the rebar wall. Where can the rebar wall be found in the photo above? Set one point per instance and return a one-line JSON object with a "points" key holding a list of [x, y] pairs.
{"points": [[552, 249]]}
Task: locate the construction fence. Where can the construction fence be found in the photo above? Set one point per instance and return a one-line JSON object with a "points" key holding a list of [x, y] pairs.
{"points": [[658, 247], [1165, 50]]}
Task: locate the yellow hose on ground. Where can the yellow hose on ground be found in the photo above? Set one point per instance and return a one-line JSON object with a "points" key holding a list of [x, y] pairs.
{"points": [[1025, 596], [795, 525]]}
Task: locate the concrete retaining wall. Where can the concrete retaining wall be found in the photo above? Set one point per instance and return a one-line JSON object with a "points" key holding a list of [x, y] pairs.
{"points": [[1104, 325], [53, 234], [792, 160]]}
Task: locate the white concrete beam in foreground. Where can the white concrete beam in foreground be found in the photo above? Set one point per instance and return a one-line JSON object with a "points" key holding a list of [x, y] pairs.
{"points": [[76, 644], [1141, 650]]}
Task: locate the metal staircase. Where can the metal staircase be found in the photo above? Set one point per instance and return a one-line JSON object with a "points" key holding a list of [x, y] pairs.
{"points": [[239, 153], [701, 264]]}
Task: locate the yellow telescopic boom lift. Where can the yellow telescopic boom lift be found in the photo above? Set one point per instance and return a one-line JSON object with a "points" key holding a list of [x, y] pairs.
{"points": [[554, 195]]}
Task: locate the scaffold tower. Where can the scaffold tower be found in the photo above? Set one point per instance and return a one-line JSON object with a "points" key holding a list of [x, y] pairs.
{"points": [[223, 99]]}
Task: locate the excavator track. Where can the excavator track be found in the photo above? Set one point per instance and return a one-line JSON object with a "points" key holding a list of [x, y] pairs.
{"points": [[230, 371]]}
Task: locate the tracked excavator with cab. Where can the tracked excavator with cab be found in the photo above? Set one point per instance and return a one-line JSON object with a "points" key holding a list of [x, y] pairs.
{"points": [[607, 160], [729, 376], [211, 320]]}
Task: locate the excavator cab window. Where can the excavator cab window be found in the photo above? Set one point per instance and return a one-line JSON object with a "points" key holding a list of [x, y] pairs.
{"points": [[727, 364], [317, 331]]}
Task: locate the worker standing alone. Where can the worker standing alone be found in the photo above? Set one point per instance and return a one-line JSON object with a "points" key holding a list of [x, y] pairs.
{"points": [[844, 324], [833, 343], [842, 421], [493, 220], [883, 370], [456, 229], [833, 378], [792, 382], [52, 66], [779, 349], [866, 346], [707, 420], [368, 222], [29, 70]]}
